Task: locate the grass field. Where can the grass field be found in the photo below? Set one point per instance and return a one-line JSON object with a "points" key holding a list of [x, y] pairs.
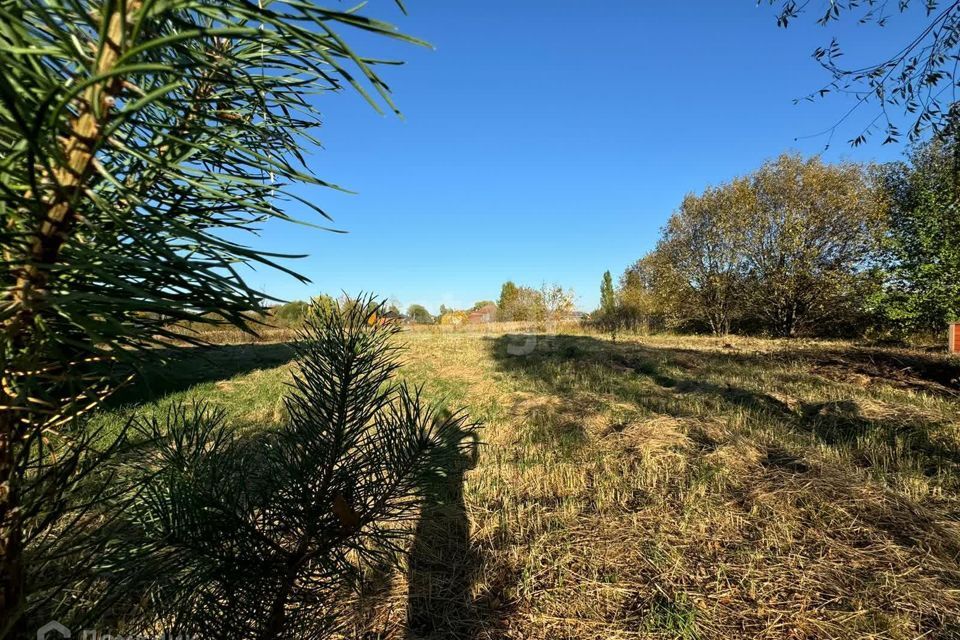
{"points": [[661, 487]]}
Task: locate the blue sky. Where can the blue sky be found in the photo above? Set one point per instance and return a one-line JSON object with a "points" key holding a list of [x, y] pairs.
{"points": [[549, 140]]}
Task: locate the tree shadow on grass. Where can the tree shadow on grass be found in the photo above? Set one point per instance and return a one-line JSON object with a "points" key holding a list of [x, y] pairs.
{"points": [[891, 439], [928, 373], [842, 424], [571, 364], [777, 450], [443, 561], [178, 368]]}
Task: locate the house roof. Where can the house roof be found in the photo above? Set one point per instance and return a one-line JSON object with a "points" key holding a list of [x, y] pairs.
{"points": [[486, 313]]}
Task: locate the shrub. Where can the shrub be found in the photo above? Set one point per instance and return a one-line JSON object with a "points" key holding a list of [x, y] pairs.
{"points": [[291, 314]]}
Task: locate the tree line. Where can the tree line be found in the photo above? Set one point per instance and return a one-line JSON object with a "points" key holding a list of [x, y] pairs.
{"points": [[803, 247], [551, 302], [517, 303]]}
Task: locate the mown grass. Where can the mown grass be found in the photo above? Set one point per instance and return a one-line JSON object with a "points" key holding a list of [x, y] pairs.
{"points": [[660, 487]]}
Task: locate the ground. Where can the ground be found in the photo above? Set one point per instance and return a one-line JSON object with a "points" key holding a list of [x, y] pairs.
{"points": [[659, 487]]}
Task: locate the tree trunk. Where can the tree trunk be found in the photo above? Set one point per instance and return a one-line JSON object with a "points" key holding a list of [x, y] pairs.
{"points": [[11, 546]]}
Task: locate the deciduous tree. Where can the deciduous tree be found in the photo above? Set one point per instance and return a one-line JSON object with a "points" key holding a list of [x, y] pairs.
{"points": [[643, 304], [923, 288], [481, 304], [419, 314], [794, 246], [519, 303], [915, 81], [814, 231], [553, 303], [701, 254]]}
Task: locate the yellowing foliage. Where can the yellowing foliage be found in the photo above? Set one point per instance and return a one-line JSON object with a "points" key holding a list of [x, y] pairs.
{"points": [[453, 318]]}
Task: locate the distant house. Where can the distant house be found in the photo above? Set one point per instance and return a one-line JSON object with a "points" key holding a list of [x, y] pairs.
{"points": [[486, 313], [387, 317], [392, 316]]}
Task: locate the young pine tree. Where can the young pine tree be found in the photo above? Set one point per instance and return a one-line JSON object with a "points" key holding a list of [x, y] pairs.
{"points": [[262, 536]]}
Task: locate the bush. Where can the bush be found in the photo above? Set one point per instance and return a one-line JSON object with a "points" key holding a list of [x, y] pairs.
{"points": [[290, 314]]}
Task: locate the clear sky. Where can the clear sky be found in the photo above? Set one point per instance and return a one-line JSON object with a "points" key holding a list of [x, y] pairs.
{"points": [[549, 140]]}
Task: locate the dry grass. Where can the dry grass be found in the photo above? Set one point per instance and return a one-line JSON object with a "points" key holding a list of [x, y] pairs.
{"points": [[225, 334], [675, 487]]}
